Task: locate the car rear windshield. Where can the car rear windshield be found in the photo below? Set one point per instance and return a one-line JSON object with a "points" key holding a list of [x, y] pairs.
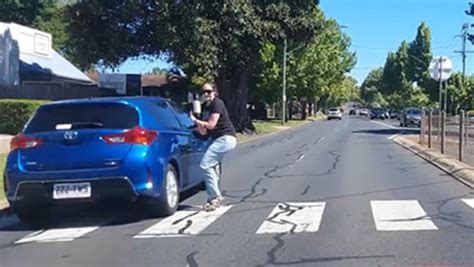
{"points": [[333, 109], [83, 116]]}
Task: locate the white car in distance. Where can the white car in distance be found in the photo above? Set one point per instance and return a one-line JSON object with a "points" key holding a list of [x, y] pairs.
{"points": [[334, 113]]}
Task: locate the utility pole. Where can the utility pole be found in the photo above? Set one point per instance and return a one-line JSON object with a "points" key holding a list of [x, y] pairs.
{"points": [[440, 97], [283, 97], [464, 35]]}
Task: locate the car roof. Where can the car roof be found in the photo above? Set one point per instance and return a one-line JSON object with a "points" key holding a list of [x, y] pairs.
{"points": [[130, 100]]}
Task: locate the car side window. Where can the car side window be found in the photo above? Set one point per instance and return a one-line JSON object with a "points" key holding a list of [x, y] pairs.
{"points": [[163, 114], [181, 115]]}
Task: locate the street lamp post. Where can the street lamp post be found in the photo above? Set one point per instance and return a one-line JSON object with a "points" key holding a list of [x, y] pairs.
{"points": [[283, 98]]}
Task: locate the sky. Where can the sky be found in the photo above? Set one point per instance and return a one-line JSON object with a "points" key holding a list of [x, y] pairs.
{"points": [[379, 26]]}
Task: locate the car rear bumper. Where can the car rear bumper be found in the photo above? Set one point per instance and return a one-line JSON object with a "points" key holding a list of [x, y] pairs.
{"points": [[41, 192]]}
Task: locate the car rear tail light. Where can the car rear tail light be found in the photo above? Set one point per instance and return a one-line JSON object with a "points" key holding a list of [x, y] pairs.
{"points": [[136, 135], [23, 142]]}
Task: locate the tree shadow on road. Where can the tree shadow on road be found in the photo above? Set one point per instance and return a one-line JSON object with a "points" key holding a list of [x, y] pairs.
{"points": [[388, 131]]}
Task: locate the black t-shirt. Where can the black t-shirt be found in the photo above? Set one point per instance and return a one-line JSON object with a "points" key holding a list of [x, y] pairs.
{"points": [[224, 125]]}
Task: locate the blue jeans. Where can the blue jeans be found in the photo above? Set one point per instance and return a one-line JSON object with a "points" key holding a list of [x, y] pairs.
{"points": [[214, 154]]}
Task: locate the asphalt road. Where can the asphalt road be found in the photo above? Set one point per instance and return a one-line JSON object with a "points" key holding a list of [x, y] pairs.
{"points": [[330, 193]]}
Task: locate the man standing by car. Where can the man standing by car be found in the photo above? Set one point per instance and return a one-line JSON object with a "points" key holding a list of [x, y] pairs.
{"points": [[222, 133]]}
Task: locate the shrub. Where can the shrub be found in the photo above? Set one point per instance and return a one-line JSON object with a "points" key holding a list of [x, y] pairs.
{"points": [[14, 113]]}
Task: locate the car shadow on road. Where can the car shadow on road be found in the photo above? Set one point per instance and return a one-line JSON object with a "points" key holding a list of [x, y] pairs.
{"points": [[103, 215], [387, 131]]}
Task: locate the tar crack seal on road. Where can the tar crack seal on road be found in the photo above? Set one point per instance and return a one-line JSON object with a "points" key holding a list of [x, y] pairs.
{"points": [[287, 210], [299, 153], [337, 158], [305, 191], [188, 222], [191, 260]]}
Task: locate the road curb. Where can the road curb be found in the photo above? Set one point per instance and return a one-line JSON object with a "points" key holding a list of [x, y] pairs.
{"points": [[461, 171]]}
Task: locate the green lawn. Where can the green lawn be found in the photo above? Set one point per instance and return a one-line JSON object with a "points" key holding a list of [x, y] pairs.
{"points": [[270, 126], [3, 158]]}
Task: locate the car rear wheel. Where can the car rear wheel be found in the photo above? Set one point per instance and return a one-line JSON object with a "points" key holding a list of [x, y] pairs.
{"points": [[168, 201]]}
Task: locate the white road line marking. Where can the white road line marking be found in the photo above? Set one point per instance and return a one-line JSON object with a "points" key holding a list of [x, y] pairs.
{"points": [[319, 140], [400, 215], [56, 235], [293, 217], [393, 136], [183, 223], [386, 125], [301, 157], [469, 202]]}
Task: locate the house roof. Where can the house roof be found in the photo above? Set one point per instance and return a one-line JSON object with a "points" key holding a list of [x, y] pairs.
{"points": [[147, 79], [56, 65]]}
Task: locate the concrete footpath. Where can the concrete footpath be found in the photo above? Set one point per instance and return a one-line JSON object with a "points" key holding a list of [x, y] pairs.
{"points": [[5, 143], [450, 165]]}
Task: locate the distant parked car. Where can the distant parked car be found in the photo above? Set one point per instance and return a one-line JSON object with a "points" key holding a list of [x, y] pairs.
{"points": [[334, 113], [364, 112], [410, 117], [352, 112], [394, 114], [134, 148], [378, 113]]}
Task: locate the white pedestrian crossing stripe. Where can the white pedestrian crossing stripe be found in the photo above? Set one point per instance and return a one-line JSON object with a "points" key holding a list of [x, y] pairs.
{"points": [[286, 217], [56, 235], [183, 223], [400, 215], [293, 217], [469, 202]]}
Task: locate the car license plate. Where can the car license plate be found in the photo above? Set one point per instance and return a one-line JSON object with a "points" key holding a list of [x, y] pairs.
{"points": [[72, 190]]}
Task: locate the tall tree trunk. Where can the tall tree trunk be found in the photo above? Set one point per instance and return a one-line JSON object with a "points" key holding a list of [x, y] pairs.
{"points": [[290, 109], [310, 109], [304, 106], [234, 91]]}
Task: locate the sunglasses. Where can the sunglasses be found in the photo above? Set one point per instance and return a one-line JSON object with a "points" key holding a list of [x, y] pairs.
{"points": [[207, 92]]}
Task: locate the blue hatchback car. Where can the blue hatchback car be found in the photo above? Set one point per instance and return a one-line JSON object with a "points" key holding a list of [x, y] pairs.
{"points": [[88, 150]]}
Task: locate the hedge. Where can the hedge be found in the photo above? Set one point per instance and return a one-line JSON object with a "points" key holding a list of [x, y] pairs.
{"points": [[14, 113]]}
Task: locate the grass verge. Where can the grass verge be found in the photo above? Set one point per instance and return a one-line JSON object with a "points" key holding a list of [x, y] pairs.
{"points": [[272, 126]]}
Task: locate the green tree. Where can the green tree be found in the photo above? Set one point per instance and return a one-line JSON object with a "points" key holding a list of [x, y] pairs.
{"points": [[395, 71], [371, 86], [45, 15], [268, 89], [316, 70], [218, 40], [420, 54], [404, 79], [23, 12]]}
